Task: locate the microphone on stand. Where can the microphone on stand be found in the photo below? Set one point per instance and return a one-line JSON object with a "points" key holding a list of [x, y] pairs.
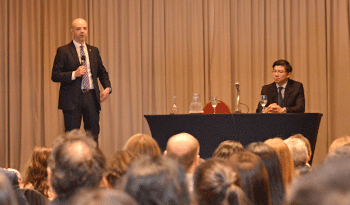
{"points": [[237, 87]]}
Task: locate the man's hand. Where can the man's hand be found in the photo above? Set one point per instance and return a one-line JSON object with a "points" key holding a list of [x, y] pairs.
{"points": [[104, 94], [273, 108], [80, 71]]}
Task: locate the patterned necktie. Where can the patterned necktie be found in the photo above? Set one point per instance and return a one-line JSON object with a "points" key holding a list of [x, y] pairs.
{"points": [[86, 82], [280, 98]]}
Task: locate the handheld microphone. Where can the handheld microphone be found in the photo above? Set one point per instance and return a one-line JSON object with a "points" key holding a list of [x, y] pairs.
{"points": [[83, 59]]}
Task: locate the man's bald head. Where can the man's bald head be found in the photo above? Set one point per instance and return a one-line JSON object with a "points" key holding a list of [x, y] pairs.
{"points": [[79, 30], [184, 148]]}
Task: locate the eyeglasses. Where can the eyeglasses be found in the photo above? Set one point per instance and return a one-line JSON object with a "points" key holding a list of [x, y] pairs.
{"points": [[278, 71]]}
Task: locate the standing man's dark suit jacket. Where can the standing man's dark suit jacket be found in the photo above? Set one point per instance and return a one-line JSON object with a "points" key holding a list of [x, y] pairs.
{"points": [[294, 100], [67, 61]]}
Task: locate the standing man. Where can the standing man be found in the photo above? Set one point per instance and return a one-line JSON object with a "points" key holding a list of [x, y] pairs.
{"points": [[77, 66], [284, 95]]}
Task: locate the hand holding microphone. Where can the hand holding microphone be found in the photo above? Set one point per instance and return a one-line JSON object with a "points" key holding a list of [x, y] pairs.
{"points": [[81, 69]]}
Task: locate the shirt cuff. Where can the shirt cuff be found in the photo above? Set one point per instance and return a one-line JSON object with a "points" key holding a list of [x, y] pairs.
{"points": [[73, 75]]}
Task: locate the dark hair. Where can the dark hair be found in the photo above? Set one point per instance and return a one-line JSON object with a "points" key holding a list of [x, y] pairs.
{"points": [[97, 196], [75, 162], [217, 183], [120, 163], [283, 63], [255, 181], [228, 148], [156, 181], [36, 170], [271, 162], [7, 194]]}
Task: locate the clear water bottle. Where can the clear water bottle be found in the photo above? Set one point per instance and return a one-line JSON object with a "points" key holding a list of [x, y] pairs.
{"points": [[196, 105]]}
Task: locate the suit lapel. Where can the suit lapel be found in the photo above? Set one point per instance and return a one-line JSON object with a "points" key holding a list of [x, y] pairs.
{"points": [[73, 50], [287, 93]]}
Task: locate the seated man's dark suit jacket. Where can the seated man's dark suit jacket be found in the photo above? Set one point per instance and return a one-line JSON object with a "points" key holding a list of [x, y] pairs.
{"points": [[67, 61], [294, 100]]}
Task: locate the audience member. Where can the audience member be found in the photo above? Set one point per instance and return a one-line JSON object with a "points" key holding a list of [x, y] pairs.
{"points": [[338, 143], [285, 158], [19, 176], [35, 174], [327, 184], [270, 159], [307, 144], [254, 177], [119, 165], [228, 148], [342, 151], [7, 194], [184, 148], [101, 197], [13, 179], [299, 153], [142, 144], [75, 163], [156, 181], [217, 183]]}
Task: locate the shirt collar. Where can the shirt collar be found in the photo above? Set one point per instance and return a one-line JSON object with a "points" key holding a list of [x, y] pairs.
{"points": [[284, 85], [77, 45]]}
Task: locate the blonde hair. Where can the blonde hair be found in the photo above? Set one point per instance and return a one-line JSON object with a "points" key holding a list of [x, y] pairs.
{"points": [[338, 143], [143, 144], [285, 158]]}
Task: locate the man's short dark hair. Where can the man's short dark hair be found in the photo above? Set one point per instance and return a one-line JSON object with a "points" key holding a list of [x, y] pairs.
{"points": [[71, 169], [283, 63]]}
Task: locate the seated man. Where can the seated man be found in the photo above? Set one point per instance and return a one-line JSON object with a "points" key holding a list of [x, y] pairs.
{"points": [[284, 95]]}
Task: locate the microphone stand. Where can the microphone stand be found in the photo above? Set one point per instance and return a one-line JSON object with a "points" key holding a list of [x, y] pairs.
{"points": [[237, 111]]}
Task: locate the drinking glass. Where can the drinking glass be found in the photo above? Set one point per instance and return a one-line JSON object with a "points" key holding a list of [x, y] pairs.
{"points": [[263, 102], [214, 102], [174, 107]]}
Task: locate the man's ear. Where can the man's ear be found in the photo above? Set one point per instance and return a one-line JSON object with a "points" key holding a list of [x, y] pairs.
{"points": [[165, 153], [197, 160]]}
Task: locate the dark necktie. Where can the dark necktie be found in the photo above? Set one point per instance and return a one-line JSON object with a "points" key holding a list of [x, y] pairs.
{"points": [[86, 82], [280, 98]]}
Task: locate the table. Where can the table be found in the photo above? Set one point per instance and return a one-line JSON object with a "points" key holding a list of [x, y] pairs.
{"points": [[211, 130]]}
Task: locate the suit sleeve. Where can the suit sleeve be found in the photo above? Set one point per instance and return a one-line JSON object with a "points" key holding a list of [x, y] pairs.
{"points": [[102, 72], [59, 73], [299, 102]]}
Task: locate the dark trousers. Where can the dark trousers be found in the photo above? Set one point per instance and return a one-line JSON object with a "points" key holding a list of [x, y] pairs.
{"points": [[87, 109]]}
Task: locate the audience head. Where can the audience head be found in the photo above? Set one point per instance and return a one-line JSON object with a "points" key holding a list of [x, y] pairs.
{"points": [[102, 196], [228, 148], [328, 184], [217, 183], [119, 165], [143, 144], [36, 170], [338, 143], [7, 194], [298, 150], [270, 159], [75, 163], [156, 181], [254, 177], [307, 144], [342, 151], [285, 158], [184, 148]]}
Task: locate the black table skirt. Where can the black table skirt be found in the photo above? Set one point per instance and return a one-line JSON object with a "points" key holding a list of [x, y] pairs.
{"points": [[211, 130]]}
